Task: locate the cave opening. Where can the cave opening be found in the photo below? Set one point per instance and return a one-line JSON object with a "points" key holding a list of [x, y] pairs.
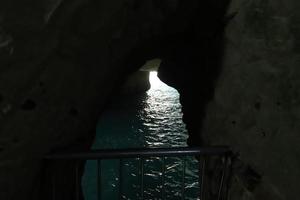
{"points": [[235, 64], [149, 118]]}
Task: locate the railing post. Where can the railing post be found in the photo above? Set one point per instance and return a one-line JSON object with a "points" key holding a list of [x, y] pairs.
{"points": [[183, 179], [53, 184], [163, 179], [225, 163], [202, 169], [99, 179], [142, 177], [120, 178], [77, 180]]}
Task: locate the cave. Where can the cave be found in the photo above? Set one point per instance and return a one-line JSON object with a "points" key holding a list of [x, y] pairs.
{"points": [[141, 117], [233, 62]]}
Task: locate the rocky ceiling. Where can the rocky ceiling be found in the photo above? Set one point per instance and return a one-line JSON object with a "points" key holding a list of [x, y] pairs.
{"points": [[236, 69]]}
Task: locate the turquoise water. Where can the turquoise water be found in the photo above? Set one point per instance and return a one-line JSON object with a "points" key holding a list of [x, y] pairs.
{"points": [[153, 119]]}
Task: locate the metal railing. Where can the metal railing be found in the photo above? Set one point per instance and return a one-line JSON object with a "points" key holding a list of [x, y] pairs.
{"points": [[203, 155]]}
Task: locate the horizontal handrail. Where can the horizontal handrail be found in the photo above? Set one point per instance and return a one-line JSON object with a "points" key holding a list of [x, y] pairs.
{"points": [[141, 152]]}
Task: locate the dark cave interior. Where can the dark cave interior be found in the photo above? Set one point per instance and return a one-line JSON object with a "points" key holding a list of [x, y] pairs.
{"points": [[234, 64]]}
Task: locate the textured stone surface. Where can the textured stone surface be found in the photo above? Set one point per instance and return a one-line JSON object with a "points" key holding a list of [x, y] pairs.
{"points": [[256, 104], [62, 60], [136, 83]]}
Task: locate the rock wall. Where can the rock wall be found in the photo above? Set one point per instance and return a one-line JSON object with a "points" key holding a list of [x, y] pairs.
{"points": [[62, 60], [255, 108], [136, 83]]}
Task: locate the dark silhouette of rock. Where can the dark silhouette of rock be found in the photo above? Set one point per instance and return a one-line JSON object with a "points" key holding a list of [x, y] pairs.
{"points": [[28, 104], [62, 61]]}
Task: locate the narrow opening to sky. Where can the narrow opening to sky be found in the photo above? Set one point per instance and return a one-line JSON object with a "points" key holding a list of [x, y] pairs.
{"points": [[155, 82]]}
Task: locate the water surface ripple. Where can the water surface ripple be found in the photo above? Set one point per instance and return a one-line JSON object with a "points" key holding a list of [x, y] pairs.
{"points": [[153, 119]]}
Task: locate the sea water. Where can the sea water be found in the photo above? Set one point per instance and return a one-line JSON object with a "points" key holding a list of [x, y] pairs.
{"points": [[152, 119]]}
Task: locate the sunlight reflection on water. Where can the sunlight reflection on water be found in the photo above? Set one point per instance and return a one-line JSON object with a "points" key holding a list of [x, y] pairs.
{"points": [[163, 111], [153, 119]]}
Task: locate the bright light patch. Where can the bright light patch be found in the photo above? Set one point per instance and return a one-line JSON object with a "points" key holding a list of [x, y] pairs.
{"points": [[157, 84], [155, 81]]}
